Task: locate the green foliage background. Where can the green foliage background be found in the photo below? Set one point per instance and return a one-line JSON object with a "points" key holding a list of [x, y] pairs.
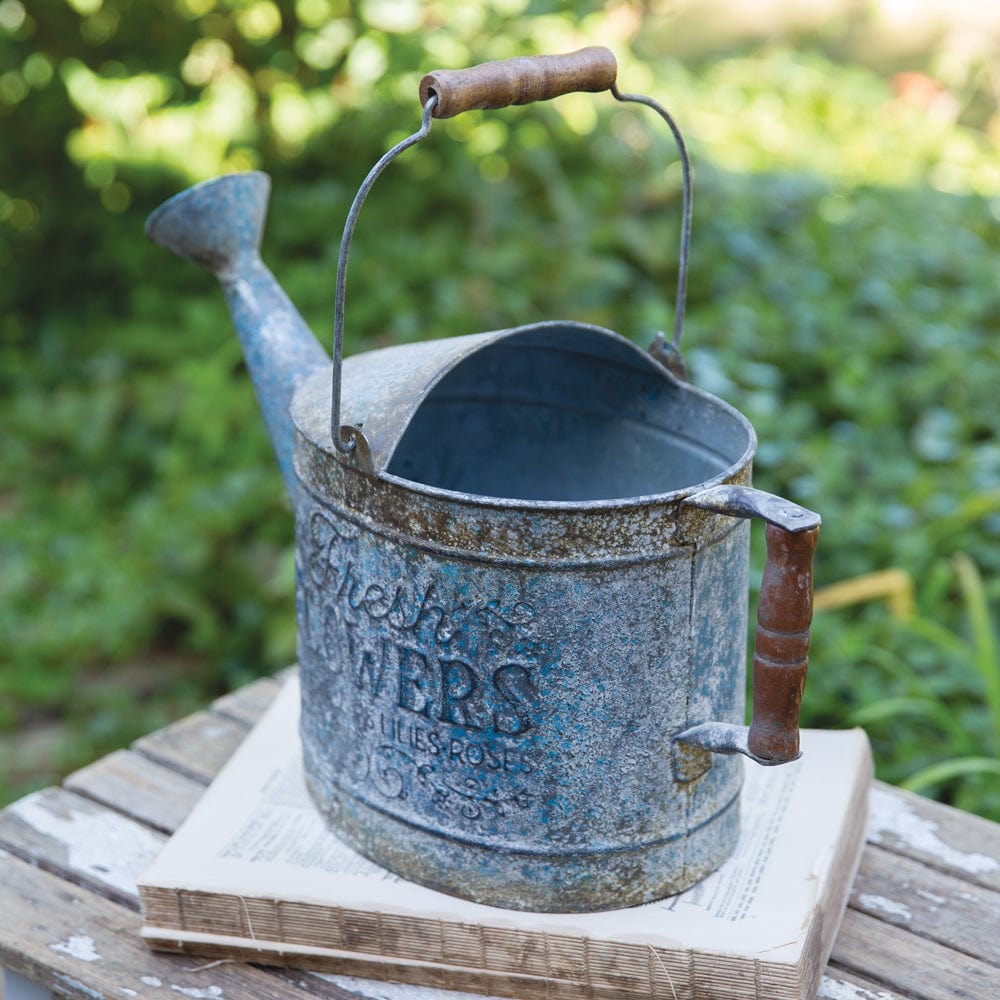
{"points": [[843, 294]]}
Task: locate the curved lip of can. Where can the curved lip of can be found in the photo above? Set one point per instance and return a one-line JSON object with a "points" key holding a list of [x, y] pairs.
{"points": [[567, 506], [607, 505]]}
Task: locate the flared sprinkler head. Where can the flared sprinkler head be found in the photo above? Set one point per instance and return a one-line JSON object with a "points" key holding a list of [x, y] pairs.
{"points": [[218, 224]]}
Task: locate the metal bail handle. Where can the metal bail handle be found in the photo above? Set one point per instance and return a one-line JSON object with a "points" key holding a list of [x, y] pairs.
{"points": [[493, 85], [784, 616]]}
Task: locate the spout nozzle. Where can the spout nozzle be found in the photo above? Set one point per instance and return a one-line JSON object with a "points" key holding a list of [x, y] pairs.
{"points": [[217, 224]]}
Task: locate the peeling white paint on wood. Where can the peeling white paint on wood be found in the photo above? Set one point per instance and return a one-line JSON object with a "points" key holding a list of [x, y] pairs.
{"points": [[78, 946], [893, 816], [932, 897], [837, 989], [372, 990], [77, 988], [125, 991], [105, 844], [887, 906], [152, 981], [209, 993]]}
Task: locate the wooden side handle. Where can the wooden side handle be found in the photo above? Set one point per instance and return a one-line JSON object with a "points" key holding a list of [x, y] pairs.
{"points": [[781, 646], [784, 615], [518, 81]]}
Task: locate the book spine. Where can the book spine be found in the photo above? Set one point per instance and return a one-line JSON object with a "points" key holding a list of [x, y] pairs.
{"points": [[632, 970], [469, 980], [161, 907]]}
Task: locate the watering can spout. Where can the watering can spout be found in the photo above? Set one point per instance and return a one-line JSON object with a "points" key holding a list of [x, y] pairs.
{"points": [[218, 224]]}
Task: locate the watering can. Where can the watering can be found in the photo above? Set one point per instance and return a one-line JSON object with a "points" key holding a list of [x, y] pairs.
{"points": [[522, 572]]}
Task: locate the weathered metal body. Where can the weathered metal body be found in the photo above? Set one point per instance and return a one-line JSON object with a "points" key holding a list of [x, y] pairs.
{"points": [[491, 686], [521, 594]]}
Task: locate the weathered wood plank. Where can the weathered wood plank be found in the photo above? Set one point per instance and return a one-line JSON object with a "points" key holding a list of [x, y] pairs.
{"points": [[79, 944], [141, 788], [841, 984], [929, 903], [354, 987], [344, 988], [909, 964], [93, 847], [81, 841], [196, 746], [248, 703], [955, 842]]}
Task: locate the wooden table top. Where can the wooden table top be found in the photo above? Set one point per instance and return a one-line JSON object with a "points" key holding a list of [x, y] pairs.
{"points": [[923, 920]]}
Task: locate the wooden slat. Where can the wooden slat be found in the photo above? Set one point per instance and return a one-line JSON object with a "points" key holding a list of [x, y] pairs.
{"points": [[138, 787], [928, 903], [79, 944], [447, 982], [81, 841], [841, 984], [196, 746], [955, 842], [909, 964], [248, 703], [113, 859], [328, 987]]}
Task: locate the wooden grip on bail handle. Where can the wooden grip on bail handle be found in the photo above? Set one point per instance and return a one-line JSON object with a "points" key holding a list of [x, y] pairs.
{"points": [[521, 80], [781, 646]]}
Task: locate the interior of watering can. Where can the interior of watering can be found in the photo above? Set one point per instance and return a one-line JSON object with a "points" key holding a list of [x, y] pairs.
{"points": [[563, 412]]}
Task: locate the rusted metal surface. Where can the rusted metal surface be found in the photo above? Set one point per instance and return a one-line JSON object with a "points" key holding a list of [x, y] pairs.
{"points": [[521, 590], [669, 356]]}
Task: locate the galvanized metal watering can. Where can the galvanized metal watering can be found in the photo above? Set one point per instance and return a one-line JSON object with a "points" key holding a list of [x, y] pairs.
{"points": [[522, 573]]}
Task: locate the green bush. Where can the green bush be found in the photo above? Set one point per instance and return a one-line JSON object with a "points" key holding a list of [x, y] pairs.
{"points": [[842, 295]]}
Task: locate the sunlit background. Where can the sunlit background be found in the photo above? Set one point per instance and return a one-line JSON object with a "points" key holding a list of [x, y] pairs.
{"points": [[844, 294]]}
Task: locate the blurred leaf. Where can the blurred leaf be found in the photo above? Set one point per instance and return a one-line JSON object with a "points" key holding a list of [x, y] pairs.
{"points": [[948, 770]]}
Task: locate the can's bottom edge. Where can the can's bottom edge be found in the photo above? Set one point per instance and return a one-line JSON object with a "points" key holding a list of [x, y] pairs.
{"points": [[565, 883]]}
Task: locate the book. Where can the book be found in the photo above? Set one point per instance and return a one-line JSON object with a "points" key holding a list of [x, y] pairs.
{"points": [[254, 873]]}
